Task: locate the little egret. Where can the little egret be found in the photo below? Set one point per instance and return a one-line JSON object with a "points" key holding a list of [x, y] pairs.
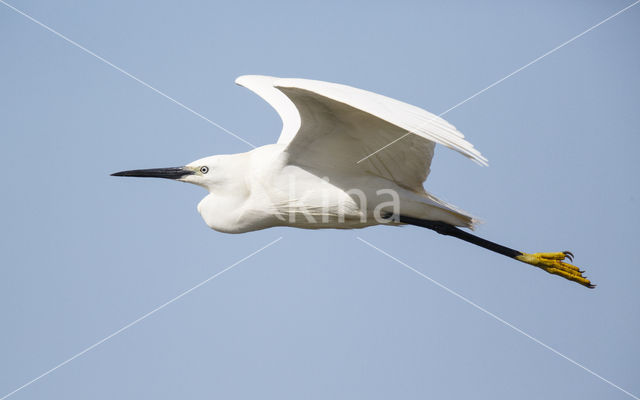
{"points": [[336, 165]]}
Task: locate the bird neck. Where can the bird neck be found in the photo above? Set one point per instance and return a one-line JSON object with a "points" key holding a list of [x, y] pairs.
{"points": [[228, 193]]}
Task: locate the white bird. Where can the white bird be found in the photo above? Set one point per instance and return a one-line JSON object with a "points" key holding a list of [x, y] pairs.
{"points": [[346, 158]]}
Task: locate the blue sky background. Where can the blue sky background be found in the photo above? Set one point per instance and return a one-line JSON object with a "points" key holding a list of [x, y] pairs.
{"points": [[319, 314]]}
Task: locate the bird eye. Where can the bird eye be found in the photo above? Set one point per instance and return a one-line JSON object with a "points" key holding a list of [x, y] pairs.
{"points": [[204, 169]]}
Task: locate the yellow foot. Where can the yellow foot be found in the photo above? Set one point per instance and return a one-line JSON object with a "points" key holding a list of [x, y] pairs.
{"points": [[553, 264]]}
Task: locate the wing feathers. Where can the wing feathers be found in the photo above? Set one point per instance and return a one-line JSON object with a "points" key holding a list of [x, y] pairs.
{"points": [[326, 125], [264, 87], [403, 115]]}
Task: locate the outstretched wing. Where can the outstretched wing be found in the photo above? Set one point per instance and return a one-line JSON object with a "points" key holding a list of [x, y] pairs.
{"points": [[264, 87], [327, 126]]}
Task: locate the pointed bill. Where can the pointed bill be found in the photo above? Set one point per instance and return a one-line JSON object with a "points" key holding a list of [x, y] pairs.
{"points": [[167, 173]]}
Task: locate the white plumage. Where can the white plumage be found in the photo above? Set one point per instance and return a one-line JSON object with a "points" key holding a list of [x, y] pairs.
{"points": [[357, 123], [313, 177], [346, 158]]}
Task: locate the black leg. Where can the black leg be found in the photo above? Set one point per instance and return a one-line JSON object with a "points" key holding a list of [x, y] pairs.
{"points": [[550, 262]]}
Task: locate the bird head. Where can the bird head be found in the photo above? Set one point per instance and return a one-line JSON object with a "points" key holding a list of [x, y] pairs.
{"points": [[201, 172]]}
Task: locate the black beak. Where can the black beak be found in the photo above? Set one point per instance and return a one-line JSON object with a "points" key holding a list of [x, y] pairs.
{"points": [[168, 173]]}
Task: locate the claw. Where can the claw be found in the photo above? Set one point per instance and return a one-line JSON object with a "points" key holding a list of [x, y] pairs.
{"points": [[553, 264]]}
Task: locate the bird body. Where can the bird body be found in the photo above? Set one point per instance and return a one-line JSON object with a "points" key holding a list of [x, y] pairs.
{"points": [[346, 158], [261, 189]]}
